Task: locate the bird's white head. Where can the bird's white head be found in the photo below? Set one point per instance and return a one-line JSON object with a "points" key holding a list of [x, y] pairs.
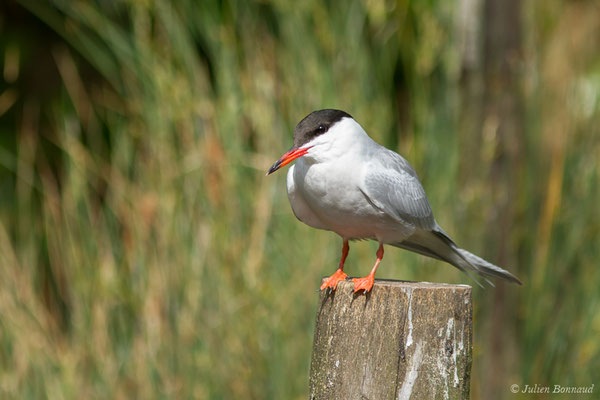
{"points": [[322, 135]]}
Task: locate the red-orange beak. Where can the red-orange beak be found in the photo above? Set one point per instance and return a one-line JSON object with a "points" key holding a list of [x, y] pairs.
{"points": [[287, 158]]}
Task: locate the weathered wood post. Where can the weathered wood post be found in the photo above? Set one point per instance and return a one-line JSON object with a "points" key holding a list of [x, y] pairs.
{"points": [[403, 340]]}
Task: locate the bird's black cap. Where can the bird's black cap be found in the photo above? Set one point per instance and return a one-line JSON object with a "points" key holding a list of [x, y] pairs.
{"points": [[316, 123]]}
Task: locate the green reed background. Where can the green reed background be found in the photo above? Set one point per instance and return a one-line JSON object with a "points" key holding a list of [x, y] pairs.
{"points": [[144, 254]]}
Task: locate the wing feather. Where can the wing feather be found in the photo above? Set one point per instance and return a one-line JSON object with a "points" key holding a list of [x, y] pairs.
{"points": [[392, 185]]}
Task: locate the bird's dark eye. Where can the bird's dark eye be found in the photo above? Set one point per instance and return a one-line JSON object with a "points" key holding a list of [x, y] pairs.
{"points": [[321, 129]]}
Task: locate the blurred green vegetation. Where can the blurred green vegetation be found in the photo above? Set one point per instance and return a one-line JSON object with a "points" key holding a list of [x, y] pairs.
{"points": [[143, 253]]}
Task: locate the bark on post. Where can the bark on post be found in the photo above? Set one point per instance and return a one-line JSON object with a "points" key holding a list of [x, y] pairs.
{"points": [[403, 340]]}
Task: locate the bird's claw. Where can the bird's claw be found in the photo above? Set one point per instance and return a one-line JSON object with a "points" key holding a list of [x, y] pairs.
{"points": [[365, 284], [327, 290], [332, 281]]}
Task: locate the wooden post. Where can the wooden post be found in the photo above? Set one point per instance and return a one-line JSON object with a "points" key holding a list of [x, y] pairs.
{"points": [[403, 340]]}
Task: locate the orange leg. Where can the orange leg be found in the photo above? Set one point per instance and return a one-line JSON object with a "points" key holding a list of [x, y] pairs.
{"points": [[366, 283], [338, 275]]}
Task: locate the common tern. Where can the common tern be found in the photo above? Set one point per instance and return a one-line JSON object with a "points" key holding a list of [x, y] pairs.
{"points": [[343, 181]]}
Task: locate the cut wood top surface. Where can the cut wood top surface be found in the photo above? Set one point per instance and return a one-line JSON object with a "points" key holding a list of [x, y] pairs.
{"points": [[411, 284]]}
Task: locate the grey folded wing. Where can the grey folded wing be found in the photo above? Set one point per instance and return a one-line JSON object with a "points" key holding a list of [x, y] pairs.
{"points": [[392, 185]]}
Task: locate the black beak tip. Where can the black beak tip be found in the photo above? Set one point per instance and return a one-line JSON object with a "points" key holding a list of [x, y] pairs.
{"points": [[274, 167]]}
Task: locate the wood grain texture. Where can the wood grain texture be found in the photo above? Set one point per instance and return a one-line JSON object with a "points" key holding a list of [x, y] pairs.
{"points": [[402, 340]]}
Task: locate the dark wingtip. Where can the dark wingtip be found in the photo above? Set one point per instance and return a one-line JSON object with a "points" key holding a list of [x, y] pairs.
{"points": [[510, 278]]}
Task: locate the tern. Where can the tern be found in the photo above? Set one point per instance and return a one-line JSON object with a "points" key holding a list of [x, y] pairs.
{"points": [[343, 181]]}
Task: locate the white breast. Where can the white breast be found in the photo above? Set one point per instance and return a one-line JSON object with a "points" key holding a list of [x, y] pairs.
{"points": [[300, 207]]}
